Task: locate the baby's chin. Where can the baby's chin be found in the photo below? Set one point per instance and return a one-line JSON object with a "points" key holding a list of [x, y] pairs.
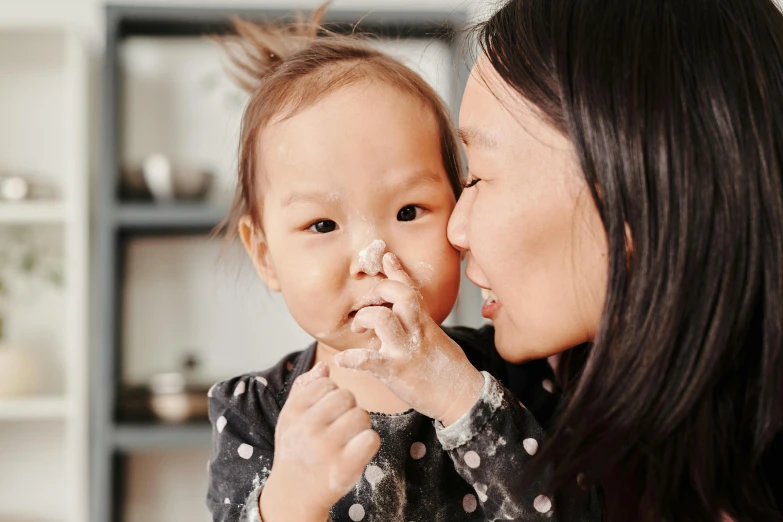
{"points": [[344, 339]]}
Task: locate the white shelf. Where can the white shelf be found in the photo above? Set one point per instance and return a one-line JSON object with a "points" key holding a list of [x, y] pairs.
{"points": [[33, 408], [43, 99], [31, 212]]}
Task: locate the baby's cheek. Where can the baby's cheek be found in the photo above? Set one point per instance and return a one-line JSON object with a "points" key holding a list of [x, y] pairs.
{"points": [[311, 293], [439, 282], [422, 274]]}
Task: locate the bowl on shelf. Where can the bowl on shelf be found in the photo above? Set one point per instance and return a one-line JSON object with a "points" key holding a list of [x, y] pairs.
{"points": [[159, 180], [173, 401], [23, 186]]}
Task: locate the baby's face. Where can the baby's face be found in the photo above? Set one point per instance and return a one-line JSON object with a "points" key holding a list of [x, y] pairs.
{"points": [[363, 164]]}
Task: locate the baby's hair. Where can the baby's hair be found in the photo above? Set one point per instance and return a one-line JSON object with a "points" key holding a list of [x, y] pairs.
{"points": [[286, 67]]}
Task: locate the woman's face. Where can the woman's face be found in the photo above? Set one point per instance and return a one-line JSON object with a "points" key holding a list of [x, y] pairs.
{"points": [[534, 237]]}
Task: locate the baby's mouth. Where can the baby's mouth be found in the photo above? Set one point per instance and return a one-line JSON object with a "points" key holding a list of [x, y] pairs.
{"points": [[378, 301]]}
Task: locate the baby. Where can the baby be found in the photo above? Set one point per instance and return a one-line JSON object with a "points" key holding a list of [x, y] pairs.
{"points": [[349, 170]]}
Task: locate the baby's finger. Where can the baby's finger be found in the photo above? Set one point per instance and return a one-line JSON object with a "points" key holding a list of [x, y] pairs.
{"points": [[332, 406], [404, 300], [394, 270], [386, 325], [347, 426], [355, 456], [375, 317], [364, 360], [319, 370], [304, 396]]}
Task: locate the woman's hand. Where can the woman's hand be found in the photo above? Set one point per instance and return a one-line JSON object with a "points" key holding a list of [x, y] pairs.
{"points": [[323, 442], [416, 359]]}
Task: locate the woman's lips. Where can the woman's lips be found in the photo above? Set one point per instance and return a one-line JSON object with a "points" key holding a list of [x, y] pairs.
{"points": [[491, 303]]}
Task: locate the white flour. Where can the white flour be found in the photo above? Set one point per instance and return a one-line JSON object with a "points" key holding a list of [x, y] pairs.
{"points": [[422, 274], [371, 258]]}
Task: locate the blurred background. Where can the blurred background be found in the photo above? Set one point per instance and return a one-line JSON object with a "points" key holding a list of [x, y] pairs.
{"points": [[118, 307]]}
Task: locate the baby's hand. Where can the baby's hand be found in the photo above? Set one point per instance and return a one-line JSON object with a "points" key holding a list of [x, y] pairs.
{"points": [[323, 442], [416, 360]]}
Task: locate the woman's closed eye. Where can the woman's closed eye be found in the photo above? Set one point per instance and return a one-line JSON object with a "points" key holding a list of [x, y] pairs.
{"points": [[471, 182], [323, 226], [409, 213]]}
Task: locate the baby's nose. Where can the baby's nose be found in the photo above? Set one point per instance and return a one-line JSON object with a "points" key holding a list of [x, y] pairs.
{"points": [[370, 260]]}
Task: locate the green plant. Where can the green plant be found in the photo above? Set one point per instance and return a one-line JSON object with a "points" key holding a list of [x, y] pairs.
{"points": [[26, 256]]}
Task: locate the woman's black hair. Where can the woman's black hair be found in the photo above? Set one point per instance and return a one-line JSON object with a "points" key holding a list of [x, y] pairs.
{"points": [[675, 110]]}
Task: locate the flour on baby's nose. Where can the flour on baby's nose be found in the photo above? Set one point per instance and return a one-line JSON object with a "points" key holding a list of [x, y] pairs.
{"points": [[371, 258]]}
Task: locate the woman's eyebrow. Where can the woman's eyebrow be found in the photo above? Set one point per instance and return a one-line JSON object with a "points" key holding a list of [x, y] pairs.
{"points": [[472, 136]]}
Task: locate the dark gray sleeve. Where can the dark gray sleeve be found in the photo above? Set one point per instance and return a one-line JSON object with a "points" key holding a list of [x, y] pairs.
{"points": [[491, 445], [242, 447]]}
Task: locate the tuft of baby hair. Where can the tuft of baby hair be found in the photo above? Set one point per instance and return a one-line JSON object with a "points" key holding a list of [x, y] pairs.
{"points": [[258, 48]]}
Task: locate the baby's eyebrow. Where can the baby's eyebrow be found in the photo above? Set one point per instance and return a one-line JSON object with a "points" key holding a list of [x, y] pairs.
{"points": [[415, 179], [310, 197], [420, 177]]}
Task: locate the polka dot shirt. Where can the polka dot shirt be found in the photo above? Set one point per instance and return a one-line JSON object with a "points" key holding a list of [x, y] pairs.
{"points": [[422, 472]]}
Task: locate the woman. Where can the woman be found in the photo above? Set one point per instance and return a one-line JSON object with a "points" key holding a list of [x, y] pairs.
{"points": [[627, 191]]}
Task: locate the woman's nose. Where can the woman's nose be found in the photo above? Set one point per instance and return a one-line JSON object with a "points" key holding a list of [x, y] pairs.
{"points": [[457, 231]]}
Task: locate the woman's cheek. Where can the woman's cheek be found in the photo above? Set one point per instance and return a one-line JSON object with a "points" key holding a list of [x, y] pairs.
{"points": [[479, 232]]}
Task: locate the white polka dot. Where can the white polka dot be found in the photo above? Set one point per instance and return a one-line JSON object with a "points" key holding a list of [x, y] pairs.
{"points": [[548, 385], [211, 389], [531, 446], [472, 459], [227, 501], [469, 503], [262, 381], [245, 451], [542, 504], [220, 424], [356, 512], [418, 450], [481, 489], [373, 474], [240, 389]]}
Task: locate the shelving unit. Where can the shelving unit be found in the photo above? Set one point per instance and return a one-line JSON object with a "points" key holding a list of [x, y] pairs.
{"points": [[43, 98], [143, 437], [120, 225], [194, 216]]}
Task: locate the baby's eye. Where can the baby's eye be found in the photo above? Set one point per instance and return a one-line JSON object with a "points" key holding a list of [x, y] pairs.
{"points": [[409, 213], [323, 226]]}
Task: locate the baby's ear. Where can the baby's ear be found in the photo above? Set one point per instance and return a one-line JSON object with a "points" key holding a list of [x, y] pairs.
{"points": [[258, 250]]}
